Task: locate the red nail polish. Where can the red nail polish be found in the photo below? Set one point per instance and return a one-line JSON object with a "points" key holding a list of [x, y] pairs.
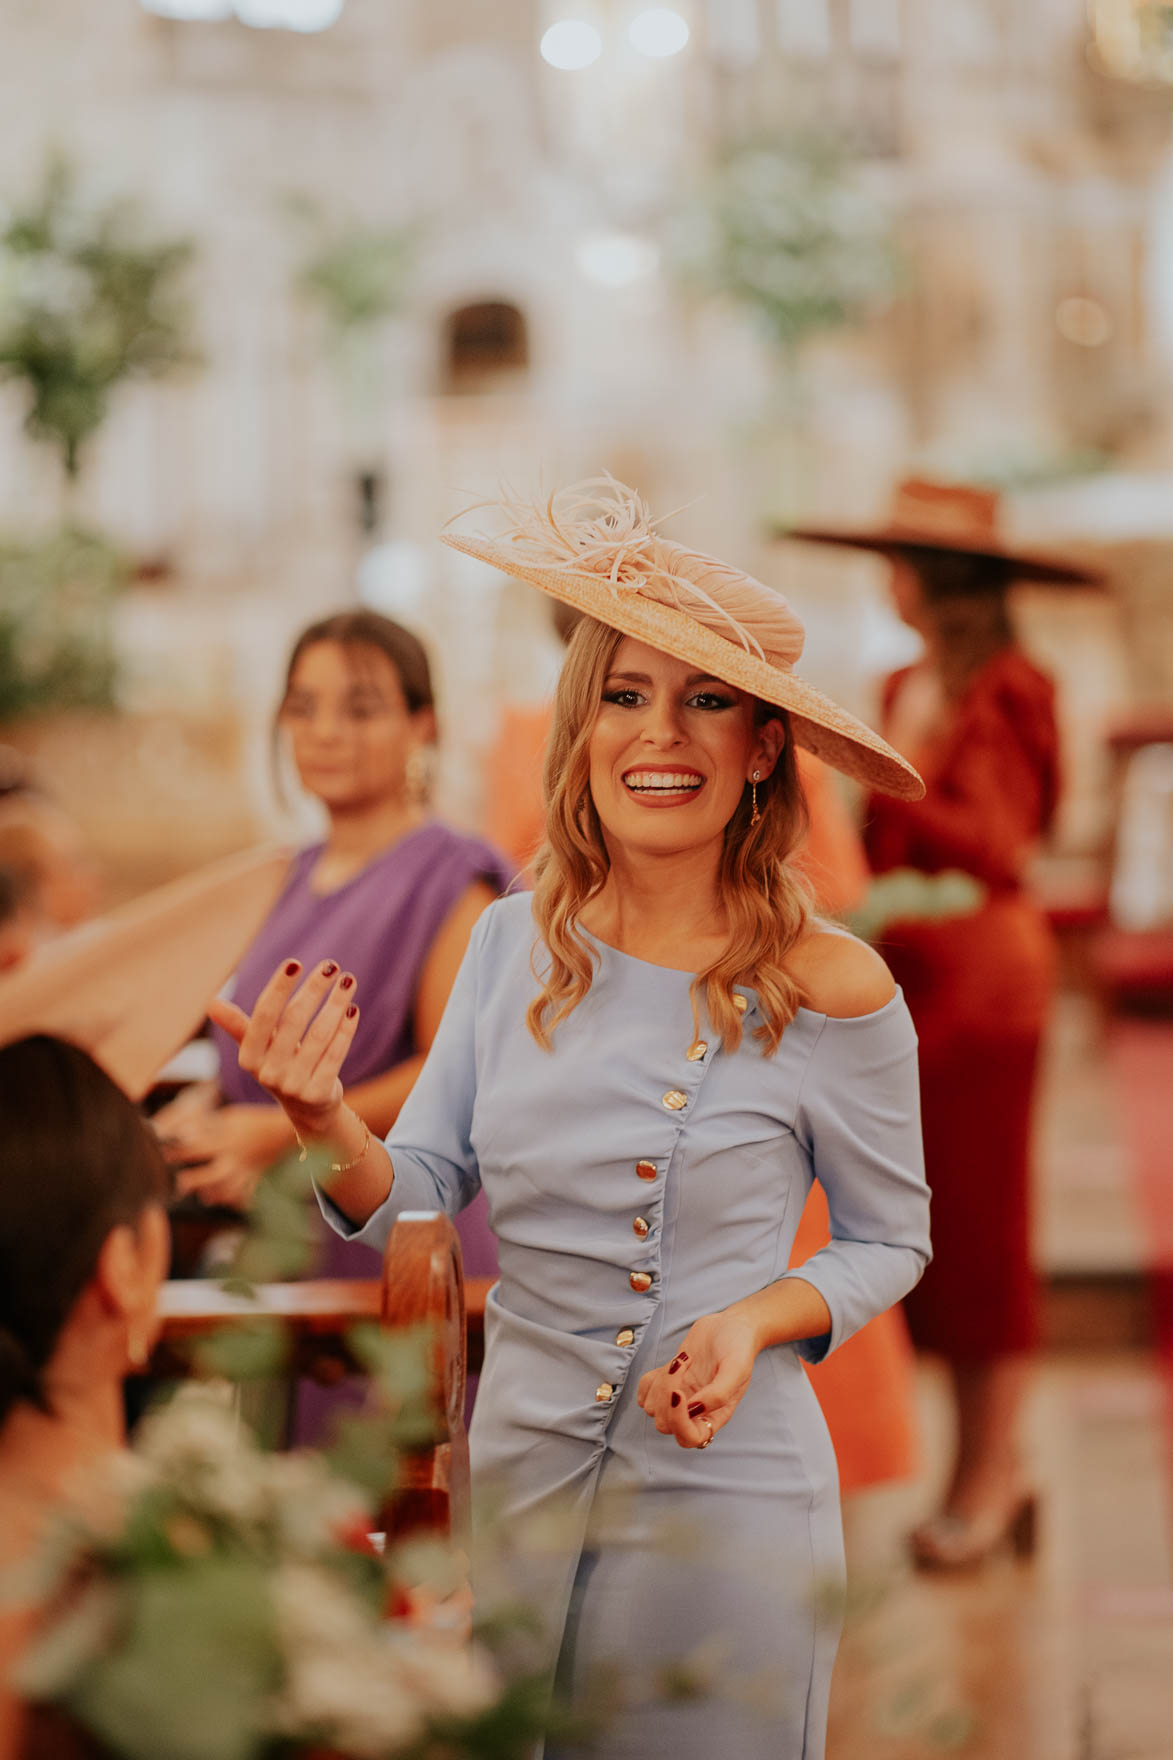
{"points": [[675, 1399], [672, 1367], [346, 983], [292, 968], [329, 969], [696, 1409], [351, 1011]]}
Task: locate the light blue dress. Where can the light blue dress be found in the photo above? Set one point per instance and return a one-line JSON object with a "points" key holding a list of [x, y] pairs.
{"points": [[632, 1190]]}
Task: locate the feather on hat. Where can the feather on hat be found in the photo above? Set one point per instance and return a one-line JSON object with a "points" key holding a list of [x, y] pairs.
{"points": [[595, 546]]}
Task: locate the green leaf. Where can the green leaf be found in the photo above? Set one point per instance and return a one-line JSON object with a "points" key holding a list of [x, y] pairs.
{"points": [[198, 1665], [252, 1350]]}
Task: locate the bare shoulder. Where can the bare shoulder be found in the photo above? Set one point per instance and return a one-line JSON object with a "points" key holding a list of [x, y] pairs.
{"points": [[839, 975]]}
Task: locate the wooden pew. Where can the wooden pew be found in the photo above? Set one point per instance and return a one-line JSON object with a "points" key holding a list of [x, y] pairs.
{"points": [[422, 1284]]}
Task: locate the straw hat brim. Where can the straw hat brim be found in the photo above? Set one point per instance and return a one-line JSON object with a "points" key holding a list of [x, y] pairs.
{"points": [[132, 986], [818, 723], [1053, 571]]}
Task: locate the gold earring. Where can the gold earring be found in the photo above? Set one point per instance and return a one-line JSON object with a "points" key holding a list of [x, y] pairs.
{"points": [[137, 1350], [757, 817]]}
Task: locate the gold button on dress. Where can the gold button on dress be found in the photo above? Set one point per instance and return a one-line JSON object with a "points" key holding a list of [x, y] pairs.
{"points": [[642, 1227], [647, 1170], [640, 1281], [675, 1101], [603, 1391], [625, 1337], [697, 1050]]}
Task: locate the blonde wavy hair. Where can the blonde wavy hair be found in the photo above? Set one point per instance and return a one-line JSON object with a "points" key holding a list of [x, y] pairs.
{"points": [[767, 900]]}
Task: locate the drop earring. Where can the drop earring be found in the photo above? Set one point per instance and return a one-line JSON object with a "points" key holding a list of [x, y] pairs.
{"points": [[418, 776], [137, 1349], [756, 818]]}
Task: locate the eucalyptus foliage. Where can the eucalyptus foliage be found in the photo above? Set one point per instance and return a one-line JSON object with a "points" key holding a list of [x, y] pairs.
{"points": [[782, 227], [86, 302]]}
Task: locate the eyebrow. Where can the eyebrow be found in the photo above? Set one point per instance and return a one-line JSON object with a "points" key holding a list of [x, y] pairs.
{"points": [[643, 678], [356, 688]]}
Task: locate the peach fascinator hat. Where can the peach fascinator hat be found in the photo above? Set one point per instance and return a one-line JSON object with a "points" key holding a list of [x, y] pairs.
{"points": [[595, 546]]}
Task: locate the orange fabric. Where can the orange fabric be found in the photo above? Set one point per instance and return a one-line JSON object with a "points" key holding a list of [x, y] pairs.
{"points": [[516, 816], [979, 988], [867, 1389]]}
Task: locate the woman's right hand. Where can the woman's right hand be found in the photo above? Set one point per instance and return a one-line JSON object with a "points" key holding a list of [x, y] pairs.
{"points": [[295, 1041]]}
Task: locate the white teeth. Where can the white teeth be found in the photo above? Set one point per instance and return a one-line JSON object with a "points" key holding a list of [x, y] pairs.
{"points": [[662, 781]]}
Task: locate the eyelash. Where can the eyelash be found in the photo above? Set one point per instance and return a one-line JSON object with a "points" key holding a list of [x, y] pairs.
{"points": [[711, 706]]}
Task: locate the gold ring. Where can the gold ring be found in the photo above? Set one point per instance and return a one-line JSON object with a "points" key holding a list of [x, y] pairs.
{"points": [[709, 1437]]}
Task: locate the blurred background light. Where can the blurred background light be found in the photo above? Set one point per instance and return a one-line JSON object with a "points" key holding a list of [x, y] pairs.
{"points": [[1083, 321], [570, 44], [616, 259], [659, 32], [290, 15], [189, 10], [285, 15]]}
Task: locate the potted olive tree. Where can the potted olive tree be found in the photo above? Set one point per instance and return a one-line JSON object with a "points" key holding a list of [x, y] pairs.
{"points": [[87, 303], [356, 277], [783, 228]]}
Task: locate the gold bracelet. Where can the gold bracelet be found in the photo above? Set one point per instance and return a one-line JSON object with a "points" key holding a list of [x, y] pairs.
{"points": [[340, 1166]]}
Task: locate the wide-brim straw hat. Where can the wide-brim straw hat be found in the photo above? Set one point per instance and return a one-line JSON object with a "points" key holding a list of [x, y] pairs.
{"points": [[926, 514], [133, 986], [595, 547]]}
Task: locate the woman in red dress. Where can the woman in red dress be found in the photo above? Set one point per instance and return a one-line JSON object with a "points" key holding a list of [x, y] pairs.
{"points": [[977, 718]]}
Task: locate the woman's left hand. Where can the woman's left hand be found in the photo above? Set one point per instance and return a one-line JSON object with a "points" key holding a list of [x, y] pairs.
{"points": [[235, 1145], [704, 1382]]}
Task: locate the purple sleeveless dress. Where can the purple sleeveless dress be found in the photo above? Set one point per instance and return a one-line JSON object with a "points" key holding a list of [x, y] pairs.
{"points": [[381, 926]]}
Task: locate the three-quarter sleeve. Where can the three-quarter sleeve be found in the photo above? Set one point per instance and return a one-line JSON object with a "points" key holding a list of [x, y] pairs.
{"points": [[859, 1120], [430, 1146]]}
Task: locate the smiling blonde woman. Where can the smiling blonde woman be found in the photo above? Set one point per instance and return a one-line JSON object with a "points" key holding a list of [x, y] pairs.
{"points": [[646, 1065]]}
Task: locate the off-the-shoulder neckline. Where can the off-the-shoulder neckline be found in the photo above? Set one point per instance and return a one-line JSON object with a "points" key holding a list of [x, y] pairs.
{"points": [[838, 1020]]}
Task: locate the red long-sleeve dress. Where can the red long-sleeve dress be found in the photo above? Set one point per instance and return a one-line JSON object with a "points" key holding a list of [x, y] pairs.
{"points": [[978, 987]]}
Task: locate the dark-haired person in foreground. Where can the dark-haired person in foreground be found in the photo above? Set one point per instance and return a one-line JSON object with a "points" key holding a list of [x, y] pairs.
{"points": [[83, 1249]]}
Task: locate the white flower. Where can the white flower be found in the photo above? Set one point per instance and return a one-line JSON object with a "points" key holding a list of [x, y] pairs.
{"points": [[199, 1446], [315, 1611], [350, 1702], [451, 1680], [308, 1507], [366, 1687]]}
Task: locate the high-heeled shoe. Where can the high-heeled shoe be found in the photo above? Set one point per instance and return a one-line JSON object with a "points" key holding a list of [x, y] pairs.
{"points": [[948, 1542]]}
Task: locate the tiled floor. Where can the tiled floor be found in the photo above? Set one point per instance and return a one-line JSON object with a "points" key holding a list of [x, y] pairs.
{"points": [[1069, 1657], [1087, 1218]]}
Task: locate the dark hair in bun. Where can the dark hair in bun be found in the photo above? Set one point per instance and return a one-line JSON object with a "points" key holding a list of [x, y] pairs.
{"points": [[76, 1161]]}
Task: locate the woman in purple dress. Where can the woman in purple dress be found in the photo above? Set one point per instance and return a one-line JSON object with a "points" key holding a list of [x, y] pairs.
{"points": [[392, 893]]}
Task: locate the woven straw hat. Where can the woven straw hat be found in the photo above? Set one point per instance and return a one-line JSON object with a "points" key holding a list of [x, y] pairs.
{"points": [[131, 987], [594, 546], [928, 515]]}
